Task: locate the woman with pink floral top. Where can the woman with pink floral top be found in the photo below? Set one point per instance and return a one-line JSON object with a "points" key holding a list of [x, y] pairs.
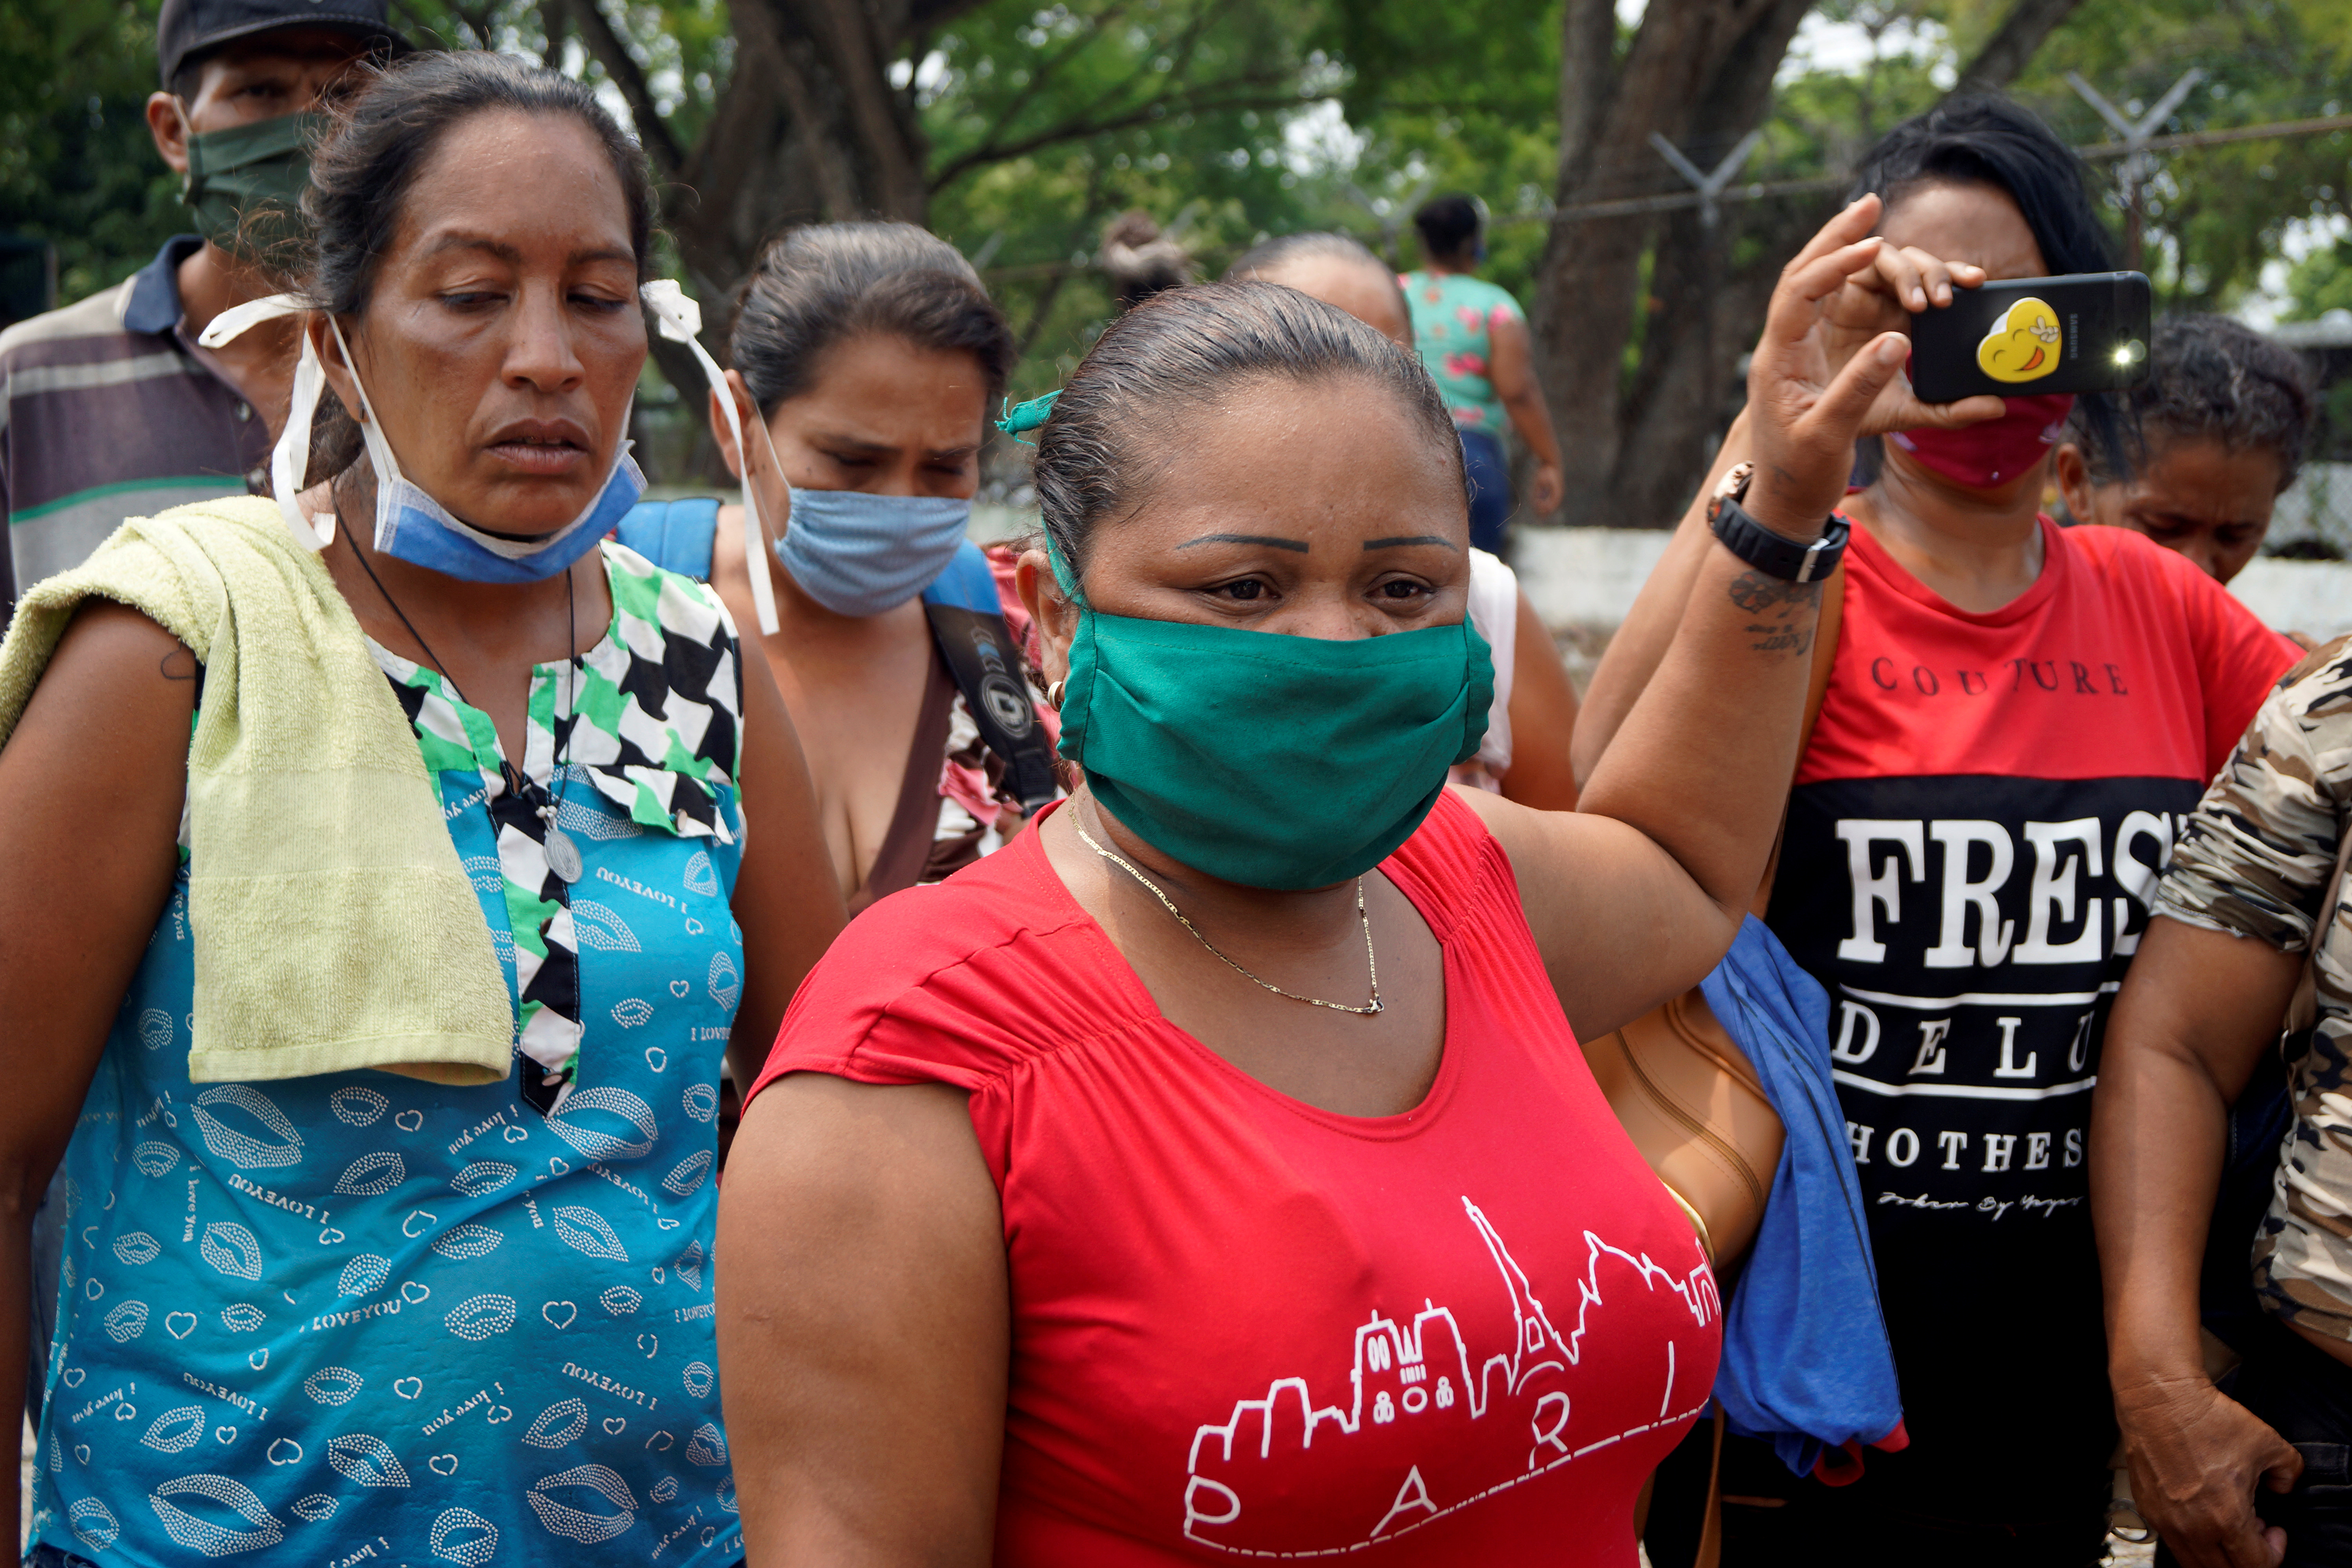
{"points": [[1474, 339]]}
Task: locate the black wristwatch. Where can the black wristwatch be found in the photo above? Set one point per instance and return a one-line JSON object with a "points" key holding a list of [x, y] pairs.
{"points": [[1761, 547]]}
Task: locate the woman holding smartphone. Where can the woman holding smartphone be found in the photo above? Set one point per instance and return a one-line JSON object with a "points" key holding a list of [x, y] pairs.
{"points": [[2015, 715]]}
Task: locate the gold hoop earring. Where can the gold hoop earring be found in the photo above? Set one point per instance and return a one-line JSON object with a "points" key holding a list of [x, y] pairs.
{"points": [[1054, 690]]}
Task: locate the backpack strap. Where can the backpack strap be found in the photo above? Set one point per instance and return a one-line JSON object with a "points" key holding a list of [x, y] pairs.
{"points": [[675, 535], [967, 618]]}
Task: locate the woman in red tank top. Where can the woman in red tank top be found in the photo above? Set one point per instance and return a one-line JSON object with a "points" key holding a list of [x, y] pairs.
{"points": [[1214, 1172]]}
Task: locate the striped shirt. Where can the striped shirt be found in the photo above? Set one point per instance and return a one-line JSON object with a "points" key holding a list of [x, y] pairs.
{"points": [[108, 410]]}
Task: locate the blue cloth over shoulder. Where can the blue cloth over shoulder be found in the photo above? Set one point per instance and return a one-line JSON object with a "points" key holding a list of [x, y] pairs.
{"points": [[1806, 1361]]}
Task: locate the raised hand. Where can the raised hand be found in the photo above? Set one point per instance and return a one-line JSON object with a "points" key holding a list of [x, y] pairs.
{"points": [[1882, 296], [1812, 381]]}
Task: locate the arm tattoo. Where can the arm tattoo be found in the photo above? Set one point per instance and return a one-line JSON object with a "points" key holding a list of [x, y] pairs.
{"points": [[1783, 624]]}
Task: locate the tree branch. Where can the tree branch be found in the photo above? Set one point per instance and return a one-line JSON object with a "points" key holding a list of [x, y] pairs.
{"points": [[2007, 52], [1086, 121], [930, 15], [1038, 78], [1080, 129], [612, 53], [554, 21], [1054, 281]]}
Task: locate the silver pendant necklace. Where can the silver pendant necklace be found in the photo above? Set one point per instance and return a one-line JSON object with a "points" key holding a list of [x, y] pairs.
{"points": [[562, 853]]}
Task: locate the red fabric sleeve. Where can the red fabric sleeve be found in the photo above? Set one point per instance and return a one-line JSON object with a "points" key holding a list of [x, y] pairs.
{"points": [[2239, 659]]}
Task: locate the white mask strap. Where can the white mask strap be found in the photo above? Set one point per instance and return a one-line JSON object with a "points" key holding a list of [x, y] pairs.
{"points": [[234, 322], [680, 318], [290, 459], [291, 454]]}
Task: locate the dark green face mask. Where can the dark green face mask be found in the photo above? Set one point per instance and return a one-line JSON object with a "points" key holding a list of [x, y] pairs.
{"points": [[1275, 762], [245, 184]]}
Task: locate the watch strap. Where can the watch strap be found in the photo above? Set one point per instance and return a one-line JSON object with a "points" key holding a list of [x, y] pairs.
{"points": [[1771, 553]]}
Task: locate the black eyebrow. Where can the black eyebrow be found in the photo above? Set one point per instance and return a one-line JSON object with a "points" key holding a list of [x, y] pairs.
{"points": [[1409, 538], [512, 254], [1297, 544]]}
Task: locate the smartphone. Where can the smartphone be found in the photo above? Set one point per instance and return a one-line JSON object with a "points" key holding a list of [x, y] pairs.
{"points": [[2022, 337]]}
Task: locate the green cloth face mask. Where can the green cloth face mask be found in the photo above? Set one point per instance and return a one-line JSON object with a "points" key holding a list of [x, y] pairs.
{"points": [[245, 183], [1276, 762]]}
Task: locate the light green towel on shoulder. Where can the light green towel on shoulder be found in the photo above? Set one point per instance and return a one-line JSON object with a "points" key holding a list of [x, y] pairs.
{"points": [[332, 926]]}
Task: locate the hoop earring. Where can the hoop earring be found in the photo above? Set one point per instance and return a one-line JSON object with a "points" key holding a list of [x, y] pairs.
{"points": [[1054, 691]]}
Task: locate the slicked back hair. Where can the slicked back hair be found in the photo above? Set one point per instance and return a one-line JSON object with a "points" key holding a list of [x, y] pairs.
{"points": [[1175, 357], [825, 284]]}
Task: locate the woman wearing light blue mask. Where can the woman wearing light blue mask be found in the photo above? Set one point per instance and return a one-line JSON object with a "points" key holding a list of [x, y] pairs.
{"points": [[867, 357], [382, 893], [1214, 1172]]}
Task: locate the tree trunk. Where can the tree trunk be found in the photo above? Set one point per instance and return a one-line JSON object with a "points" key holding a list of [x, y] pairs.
{"points": [[808, 130], [1682, 392], [1676, 401], [1590, 278], [2007, 51]]}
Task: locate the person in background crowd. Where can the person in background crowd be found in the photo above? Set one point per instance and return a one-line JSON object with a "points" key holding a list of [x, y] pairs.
{"points": [[1139, 260], [373, 941], [2250, 1474], [109, 408], [2015, 717], [2206, 443], [1474, 338], [1525, 755], [866, 359], [1222, 1171]]}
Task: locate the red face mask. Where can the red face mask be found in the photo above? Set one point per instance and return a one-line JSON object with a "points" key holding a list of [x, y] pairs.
{"points": [[1985, 457]]}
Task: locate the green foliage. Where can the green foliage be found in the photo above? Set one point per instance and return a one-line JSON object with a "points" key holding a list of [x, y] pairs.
{"points": [[2216, 213], [77, 166], [1453, 98], [2321, 281], [1047, 119], [1047, 123]]}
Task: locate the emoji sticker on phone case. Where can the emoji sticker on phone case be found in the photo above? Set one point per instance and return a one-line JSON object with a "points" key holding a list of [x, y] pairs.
{"points": [[2022, 345]]}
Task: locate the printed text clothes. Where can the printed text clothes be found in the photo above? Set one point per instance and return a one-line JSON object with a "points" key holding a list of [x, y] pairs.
{"points": [[302, 1316], [1972, 844], [1464, 1334]]}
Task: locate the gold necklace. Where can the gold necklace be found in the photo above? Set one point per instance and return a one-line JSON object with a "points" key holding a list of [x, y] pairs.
{"points": [[1371, 959]]}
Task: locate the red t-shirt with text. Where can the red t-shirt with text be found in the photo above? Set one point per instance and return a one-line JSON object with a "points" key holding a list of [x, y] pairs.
{"points": [[1243, 1327]]}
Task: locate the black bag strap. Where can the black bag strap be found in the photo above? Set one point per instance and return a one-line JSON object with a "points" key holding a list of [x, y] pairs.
{"points": [[968, 622]]}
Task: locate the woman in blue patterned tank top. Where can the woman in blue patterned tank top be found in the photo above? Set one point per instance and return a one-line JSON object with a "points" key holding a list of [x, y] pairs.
{"points": [[328, 1312]]}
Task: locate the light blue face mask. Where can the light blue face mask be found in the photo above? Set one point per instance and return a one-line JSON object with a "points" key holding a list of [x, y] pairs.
{"points": [[860, 555], [409, 523]]}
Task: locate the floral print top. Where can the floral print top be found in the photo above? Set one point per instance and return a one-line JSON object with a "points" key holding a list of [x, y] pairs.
{"points": [[363, 1316], [1454, 318]]}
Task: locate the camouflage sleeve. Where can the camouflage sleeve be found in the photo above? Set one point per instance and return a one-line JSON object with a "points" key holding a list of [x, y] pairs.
{"points": [[2254, 858]]}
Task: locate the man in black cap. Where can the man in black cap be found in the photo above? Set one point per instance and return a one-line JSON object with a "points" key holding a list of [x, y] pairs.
{"points": [[109, 409]]}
